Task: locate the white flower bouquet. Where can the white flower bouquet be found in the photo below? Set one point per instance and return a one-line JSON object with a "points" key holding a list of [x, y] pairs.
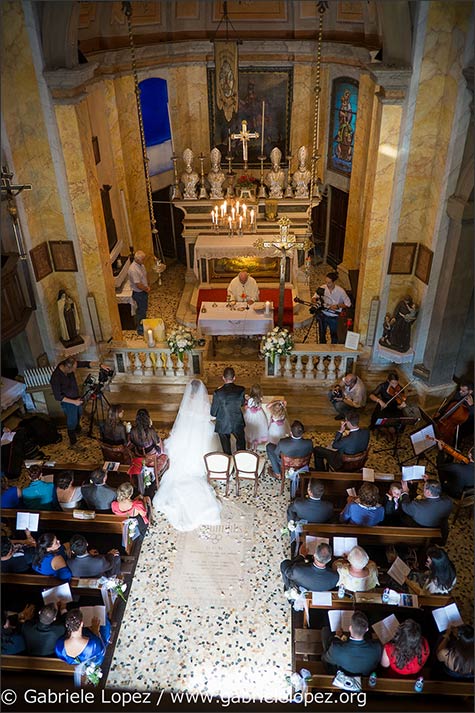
{"points": [[93, 674], [181, 340], [277, 342], [114, 584]]}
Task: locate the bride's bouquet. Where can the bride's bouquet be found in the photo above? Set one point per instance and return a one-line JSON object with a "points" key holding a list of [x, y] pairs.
{"points": [[278, 341], [180, 340]]}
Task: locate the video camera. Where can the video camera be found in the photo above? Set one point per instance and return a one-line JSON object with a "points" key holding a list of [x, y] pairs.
{"points": [[319, 305], [94, 386]]}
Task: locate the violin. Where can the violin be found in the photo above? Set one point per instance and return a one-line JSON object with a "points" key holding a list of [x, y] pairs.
{"points": [[456, 455], [395, 393]]}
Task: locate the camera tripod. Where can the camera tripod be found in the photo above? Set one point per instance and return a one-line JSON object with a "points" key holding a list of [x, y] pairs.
{"points": [[315, 312], [97, 411]]}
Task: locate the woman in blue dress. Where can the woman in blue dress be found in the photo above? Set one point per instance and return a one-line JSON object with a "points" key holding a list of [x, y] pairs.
{"points": [[82, 645], [50, 557]]}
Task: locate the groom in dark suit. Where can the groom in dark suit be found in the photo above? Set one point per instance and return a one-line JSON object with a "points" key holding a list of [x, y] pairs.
{"points": [[226, 409]]}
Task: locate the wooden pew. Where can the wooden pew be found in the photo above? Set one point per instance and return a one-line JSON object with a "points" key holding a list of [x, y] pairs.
{"points": [[377, 535], [336, 484], [45, 664]]}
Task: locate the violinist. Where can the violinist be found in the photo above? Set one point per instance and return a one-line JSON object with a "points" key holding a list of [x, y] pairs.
{"points": [[455, 415], [390, 399], [457, 476]]}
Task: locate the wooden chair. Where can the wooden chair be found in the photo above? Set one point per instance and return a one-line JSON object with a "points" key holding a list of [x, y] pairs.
{"points": [[354, 462], [247, 466], [466, 500], [118, 454], [288, 462], [219, 466]]}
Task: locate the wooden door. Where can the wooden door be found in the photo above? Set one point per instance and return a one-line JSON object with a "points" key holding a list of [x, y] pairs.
{"points": [[319, 226], [336, 237]]}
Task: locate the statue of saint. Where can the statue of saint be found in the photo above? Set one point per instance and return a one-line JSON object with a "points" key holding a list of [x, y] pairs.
{"points": [[189, 178], [275, 178], [397, 330], [302, 175], [68, 320], [216, 177]]}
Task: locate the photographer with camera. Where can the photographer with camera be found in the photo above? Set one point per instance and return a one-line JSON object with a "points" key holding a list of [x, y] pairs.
{"points": [[330, 299], [348, 395], [66, 391]]}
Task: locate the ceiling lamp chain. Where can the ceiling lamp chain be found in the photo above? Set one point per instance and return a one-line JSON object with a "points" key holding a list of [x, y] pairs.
{"points": [[314, 181], [159, 259]]}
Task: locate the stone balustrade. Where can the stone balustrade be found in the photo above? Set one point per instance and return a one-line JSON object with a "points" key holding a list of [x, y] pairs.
{"points": [[133, 364], [324, 363]]}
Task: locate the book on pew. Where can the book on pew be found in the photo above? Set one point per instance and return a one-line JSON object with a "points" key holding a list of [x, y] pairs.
{"points": [[27, 521], [29, 463], [352, 492], [447, 616], [413, 472], [399, 571], [342, 545], [110, 465], [53, 595], [340, 619], [49, 463], [368, 474], [322, 599], [89, 613], [386, 628], [312, 542], [84, 514]]}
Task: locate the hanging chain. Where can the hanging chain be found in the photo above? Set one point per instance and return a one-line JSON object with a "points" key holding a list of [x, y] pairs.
{"points": [[321, 7], [127, 10]]}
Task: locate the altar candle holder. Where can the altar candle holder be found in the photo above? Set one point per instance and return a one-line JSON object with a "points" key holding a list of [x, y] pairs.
{"points": [[230, 176], [288, 187], [203, 191], [262, 190], [176, 194]]}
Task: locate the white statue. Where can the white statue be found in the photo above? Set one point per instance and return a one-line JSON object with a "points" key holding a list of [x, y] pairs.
{"points": [[275, 178], [302, 175], [68, 320], [189, 178], [216, 177]]}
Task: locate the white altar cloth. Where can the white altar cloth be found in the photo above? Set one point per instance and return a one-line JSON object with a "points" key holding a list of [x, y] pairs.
{"points": [[221, 320], [124, 296]]}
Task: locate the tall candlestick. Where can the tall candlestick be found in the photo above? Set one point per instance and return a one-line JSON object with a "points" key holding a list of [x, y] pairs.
{"points": [[229, 141], [262, 128], [171, 129]]}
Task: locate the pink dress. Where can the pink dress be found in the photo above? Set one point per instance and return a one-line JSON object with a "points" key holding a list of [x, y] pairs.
{"points": [[256, 428], [278, 428]]}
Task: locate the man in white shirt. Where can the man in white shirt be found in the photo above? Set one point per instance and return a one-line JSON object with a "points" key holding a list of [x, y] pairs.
{"points": [[348, 395], [243, 288], [334, 300], [140, 289]]}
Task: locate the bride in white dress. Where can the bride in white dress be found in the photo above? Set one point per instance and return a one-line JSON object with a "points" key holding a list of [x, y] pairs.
{"points": [[184, 495]]}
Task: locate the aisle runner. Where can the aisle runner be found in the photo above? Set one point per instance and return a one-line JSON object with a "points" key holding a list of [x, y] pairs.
{"points": [[210, 567]]}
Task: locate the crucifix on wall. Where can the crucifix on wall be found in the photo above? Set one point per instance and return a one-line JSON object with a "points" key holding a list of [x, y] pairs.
{"points": [[244, 135]]}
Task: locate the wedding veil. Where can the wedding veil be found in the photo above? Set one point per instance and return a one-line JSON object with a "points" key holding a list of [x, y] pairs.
{"points": [[194, 407]]}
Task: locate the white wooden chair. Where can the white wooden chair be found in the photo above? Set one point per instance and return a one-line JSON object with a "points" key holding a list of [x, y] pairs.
{"points": [[219, 466], [248, 466]]}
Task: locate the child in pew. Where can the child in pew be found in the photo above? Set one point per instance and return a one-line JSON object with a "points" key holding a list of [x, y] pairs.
{"points": [[392, 506], [82, 645], [50, 557], [279, 426], [256, 426], [407, 651]]}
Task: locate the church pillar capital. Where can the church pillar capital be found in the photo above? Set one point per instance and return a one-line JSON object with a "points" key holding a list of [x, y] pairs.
{"points": [[70, 85], [393, 83]]}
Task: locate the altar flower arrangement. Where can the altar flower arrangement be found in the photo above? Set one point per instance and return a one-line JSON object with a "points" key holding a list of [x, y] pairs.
{"points": [[247, 181], [181, 340], [93, 673], [279, 341]]}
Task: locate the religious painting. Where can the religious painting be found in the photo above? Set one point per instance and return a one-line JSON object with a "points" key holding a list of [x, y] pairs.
{"points": [[271, 85], [41, 261], [424, 264], [401, 260], [64, 259], [259, 267], [343, 112]]}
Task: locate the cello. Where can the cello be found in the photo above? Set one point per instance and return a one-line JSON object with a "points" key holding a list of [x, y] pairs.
{"points": [[456, 414]]}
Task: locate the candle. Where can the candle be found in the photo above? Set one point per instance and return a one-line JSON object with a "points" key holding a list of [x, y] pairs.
{"points": [[244, 209], [267, 307], [240, 222], [237, 207], [171, 130], [262, 128], [225, 207], [252, 216], [229, 221], [151, 342], [233, 212], [212, 216]]}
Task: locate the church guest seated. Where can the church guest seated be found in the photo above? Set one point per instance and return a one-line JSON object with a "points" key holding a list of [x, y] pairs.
{"points": [[17, 555], [432, 510], [12, 639], [356, 655], [38, 495], [312, 508], [294, 446], [364, 510], [41, 634], [439, 577], [455, 477], [50, 557], [11, 495], [114, 430], [355, 441], [23, 447], [69, 496], [357, 572], [455, 652], [143, 438], [96, 494], [316, 576], [243, 288], [89, 563], [407, 651], [82, 645], [392, 506], [125, 506]]}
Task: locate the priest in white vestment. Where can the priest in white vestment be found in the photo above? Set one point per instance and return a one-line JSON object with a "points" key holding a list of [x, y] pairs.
{"points": [[243, 288]]}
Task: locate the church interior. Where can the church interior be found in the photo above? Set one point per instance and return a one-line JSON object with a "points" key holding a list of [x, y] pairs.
{"points": [[289, 140]]}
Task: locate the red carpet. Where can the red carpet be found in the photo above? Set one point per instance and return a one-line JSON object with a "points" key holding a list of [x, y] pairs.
{"points": [[219, 295]]}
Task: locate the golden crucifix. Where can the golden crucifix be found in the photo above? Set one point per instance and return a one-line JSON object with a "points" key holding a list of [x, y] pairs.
{"points": [[244, 136], [284, 243]]}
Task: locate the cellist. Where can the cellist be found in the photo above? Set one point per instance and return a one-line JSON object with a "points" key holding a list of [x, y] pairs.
{"points": [[456, 411]]}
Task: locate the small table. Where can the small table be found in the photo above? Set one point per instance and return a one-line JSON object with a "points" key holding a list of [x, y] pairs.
{"points": [[218, 319]]}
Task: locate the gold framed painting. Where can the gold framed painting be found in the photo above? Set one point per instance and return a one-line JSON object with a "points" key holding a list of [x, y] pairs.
{"points": [[62, 253], [401, 259], [423, 264], [41, 261]]}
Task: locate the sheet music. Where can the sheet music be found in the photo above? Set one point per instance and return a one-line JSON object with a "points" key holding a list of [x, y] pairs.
{"points": [[340, 619], [342, 545], [322, 599], [368, 474], [399, 571], [419, 441], [386, 628], [413, 472], [27, 521], [447, 616], [53, 595]]}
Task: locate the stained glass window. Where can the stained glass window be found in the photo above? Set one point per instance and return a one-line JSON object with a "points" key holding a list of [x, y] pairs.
{"points": [[344, 108]]}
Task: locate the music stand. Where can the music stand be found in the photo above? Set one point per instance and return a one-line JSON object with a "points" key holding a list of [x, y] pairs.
{"points": [[395, 422], [422, 441]]}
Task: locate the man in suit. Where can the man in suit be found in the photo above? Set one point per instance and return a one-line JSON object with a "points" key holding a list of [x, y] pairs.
{"points": [[312, 508], [226, 409], [316, 576], [41, 635], [355, 441], [295, 447], [96, 494], [84, 563], [432, 510], [354, 655]]}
